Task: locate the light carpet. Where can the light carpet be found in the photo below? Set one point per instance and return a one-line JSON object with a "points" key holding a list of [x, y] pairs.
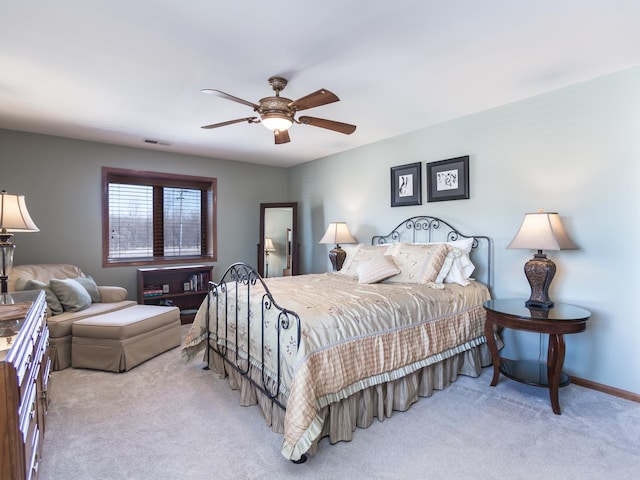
{"points": [[169, 419]]}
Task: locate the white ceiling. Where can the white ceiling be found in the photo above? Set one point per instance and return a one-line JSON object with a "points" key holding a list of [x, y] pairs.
{"points": [[122, 71]]}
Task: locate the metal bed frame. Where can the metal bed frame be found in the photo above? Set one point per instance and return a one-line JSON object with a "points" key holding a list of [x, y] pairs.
{"points": [[242, 278]]}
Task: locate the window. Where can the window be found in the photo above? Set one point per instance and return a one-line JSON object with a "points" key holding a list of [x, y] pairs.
{"points": [[155, 218]]}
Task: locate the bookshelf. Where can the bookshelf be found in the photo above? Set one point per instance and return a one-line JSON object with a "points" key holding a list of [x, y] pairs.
{"points": [[184, 287]]}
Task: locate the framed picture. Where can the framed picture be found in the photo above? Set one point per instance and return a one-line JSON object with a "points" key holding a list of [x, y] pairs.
{"points": [[448, 179], [406, 185]]}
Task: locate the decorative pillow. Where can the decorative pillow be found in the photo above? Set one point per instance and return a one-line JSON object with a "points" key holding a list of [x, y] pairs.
{"points": [[461, 267], [418, 263], [71, 294], [360, 255], [377, 269], [52, 301], [461, 270], [91, 287], [452, 255]]}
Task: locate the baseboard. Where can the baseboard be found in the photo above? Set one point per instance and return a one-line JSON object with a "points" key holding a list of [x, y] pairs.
{"points": [[616, 392]]}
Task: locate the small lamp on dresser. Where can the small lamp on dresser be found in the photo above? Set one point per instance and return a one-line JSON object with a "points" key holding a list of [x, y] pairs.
{"points": [[337, 233], [541, 231], [14, 217]]}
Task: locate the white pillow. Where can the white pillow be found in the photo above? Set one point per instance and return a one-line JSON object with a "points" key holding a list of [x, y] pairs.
{"points": [[377, 269], [460, 271], [361, 254], [461, 267]]}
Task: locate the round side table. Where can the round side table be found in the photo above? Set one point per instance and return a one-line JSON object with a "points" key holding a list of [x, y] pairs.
{"points": [[557, 321]]}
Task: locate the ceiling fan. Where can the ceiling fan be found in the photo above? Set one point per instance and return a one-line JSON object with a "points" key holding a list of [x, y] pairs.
{"points": [[278, 113]]}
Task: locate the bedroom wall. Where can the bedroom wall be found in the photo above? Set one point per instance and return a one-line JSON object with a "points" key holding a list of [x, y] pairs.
{"points": [[575, 151], [61, 179]]}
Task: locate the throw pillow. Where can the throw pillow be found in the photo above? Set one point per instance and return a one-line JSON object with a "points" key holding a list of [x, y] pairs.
{"points": [[376, 270], [52, 301], [91, 287], [360, 255], [71, 294]]}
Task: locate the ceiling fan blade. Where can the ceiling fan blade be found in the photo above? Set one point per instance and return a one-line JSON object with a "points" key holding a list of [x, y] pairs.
{"points": [[340, 127], [315, 99], [281, 136], [231, 122], [230, 97]]}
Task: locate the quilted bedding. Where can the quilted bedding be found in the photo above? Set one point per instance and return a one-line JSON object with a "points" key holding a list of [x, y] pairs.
{"points": [[352, 336]]}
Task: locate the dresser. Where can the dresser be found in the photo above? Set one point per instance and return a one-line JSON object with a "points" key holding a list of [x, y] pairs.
{"points": [[24, 377]]}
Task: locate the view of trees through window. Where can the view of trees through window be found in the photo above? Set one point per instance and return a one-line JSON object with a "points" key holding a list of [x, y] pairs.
{"points": [[150, 220]]}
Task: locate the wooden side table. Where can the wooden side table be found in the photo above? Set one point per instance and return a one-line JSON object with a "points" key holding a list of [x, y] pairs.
{"points": [[557, 321]]}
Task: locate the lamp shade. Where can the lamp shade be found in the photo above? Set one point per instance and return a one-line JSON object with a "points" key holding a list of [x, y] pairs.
{"points": [[268, 245], [338, 233], [14, 216], [542, 231]]}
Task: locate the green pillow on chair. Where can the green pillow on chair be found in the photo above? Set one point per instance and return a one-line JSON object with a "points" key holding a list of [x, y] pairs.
{"points": [[90, 286], [52, 300], [73, 296]]}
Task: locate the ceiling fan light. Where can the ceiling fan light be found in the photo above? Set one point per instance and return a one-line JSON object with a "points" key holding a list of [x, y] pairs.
{"points": [[276, 121]]}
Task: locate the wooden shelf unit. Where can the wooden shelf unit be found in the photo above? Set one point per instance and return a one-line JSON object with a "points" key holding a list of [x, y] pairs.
{"points": [[184, 287]]}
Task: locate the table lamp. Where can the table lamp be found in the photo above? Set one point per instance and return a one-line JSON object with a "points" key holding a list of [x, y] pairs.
{"points": [[14, 217], [337, 233], [541, 231]]}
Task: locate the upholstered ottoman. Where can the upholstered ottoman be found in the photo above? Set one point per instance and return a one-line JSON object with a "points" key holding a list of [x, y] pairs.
{"points": [[118, 341]]}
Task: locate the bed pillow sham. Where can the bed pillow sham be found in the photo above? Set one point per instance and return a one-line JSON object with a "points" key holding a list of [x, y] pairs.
{"points": [[419, 264]]}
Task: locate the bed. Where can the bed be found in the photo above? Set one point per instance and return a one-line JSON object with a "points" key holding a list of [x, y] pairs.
{"points": [[323, 354]]}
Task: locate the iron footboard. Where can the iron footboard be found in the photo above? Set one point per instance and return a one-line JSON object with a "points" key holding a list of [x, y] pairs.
{"points": [[240, 281]]}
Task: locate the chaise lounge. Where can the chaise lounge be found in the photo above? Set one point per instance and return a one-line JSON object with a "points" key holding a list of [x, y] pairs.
{"points": [[111, 333]]}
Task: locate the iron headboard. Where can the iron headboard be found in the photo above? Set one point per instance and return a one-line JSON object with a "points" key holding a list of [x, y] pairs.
{"points": [[426, 229]]}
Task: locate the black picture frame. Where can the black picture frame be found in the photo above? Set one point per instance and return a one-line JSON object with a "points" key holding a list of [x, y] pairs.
{"points": [[406, 185], [448, 179]]}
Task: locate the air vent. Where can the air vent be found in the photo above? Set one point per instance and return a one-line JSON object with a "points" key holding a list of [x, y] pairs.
{"points": [[156, 142]]}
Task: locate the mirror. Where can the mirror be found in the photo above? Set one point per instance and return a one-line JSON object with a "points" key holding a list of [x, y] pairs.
{"points": [[278, 247]]}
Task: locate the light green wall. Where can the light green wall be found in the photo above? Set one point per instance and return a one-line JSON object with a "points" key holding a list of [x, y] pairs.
{"points": [[61, 179], [575, 151]]}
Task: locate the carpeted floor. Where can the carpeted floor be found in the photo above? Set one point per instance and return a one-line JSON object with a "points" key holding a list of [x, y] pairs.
{"points": [[169, 419]]}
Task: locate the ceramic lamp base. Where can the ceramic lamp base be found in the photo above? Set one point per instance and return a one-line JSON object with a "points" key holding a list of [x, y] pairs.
{"points": [[336, 257], [539, 272]]}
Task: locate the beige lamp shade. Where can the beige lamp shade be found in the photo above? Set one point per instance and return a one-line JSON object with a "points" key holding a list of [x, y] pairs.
{"points": [[542, 231], [338, 233], [14, 216]]}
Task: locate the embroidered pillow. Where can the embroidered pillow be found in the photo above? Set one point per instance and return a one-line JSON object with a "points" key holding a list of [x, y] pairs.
{"points": [[418, 263], [377, 269]]}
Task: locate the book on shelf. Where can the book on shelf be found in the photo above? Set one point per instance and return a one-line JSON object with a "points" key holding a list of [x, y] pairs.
{"points": [[152, 291], [197, 282]]}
